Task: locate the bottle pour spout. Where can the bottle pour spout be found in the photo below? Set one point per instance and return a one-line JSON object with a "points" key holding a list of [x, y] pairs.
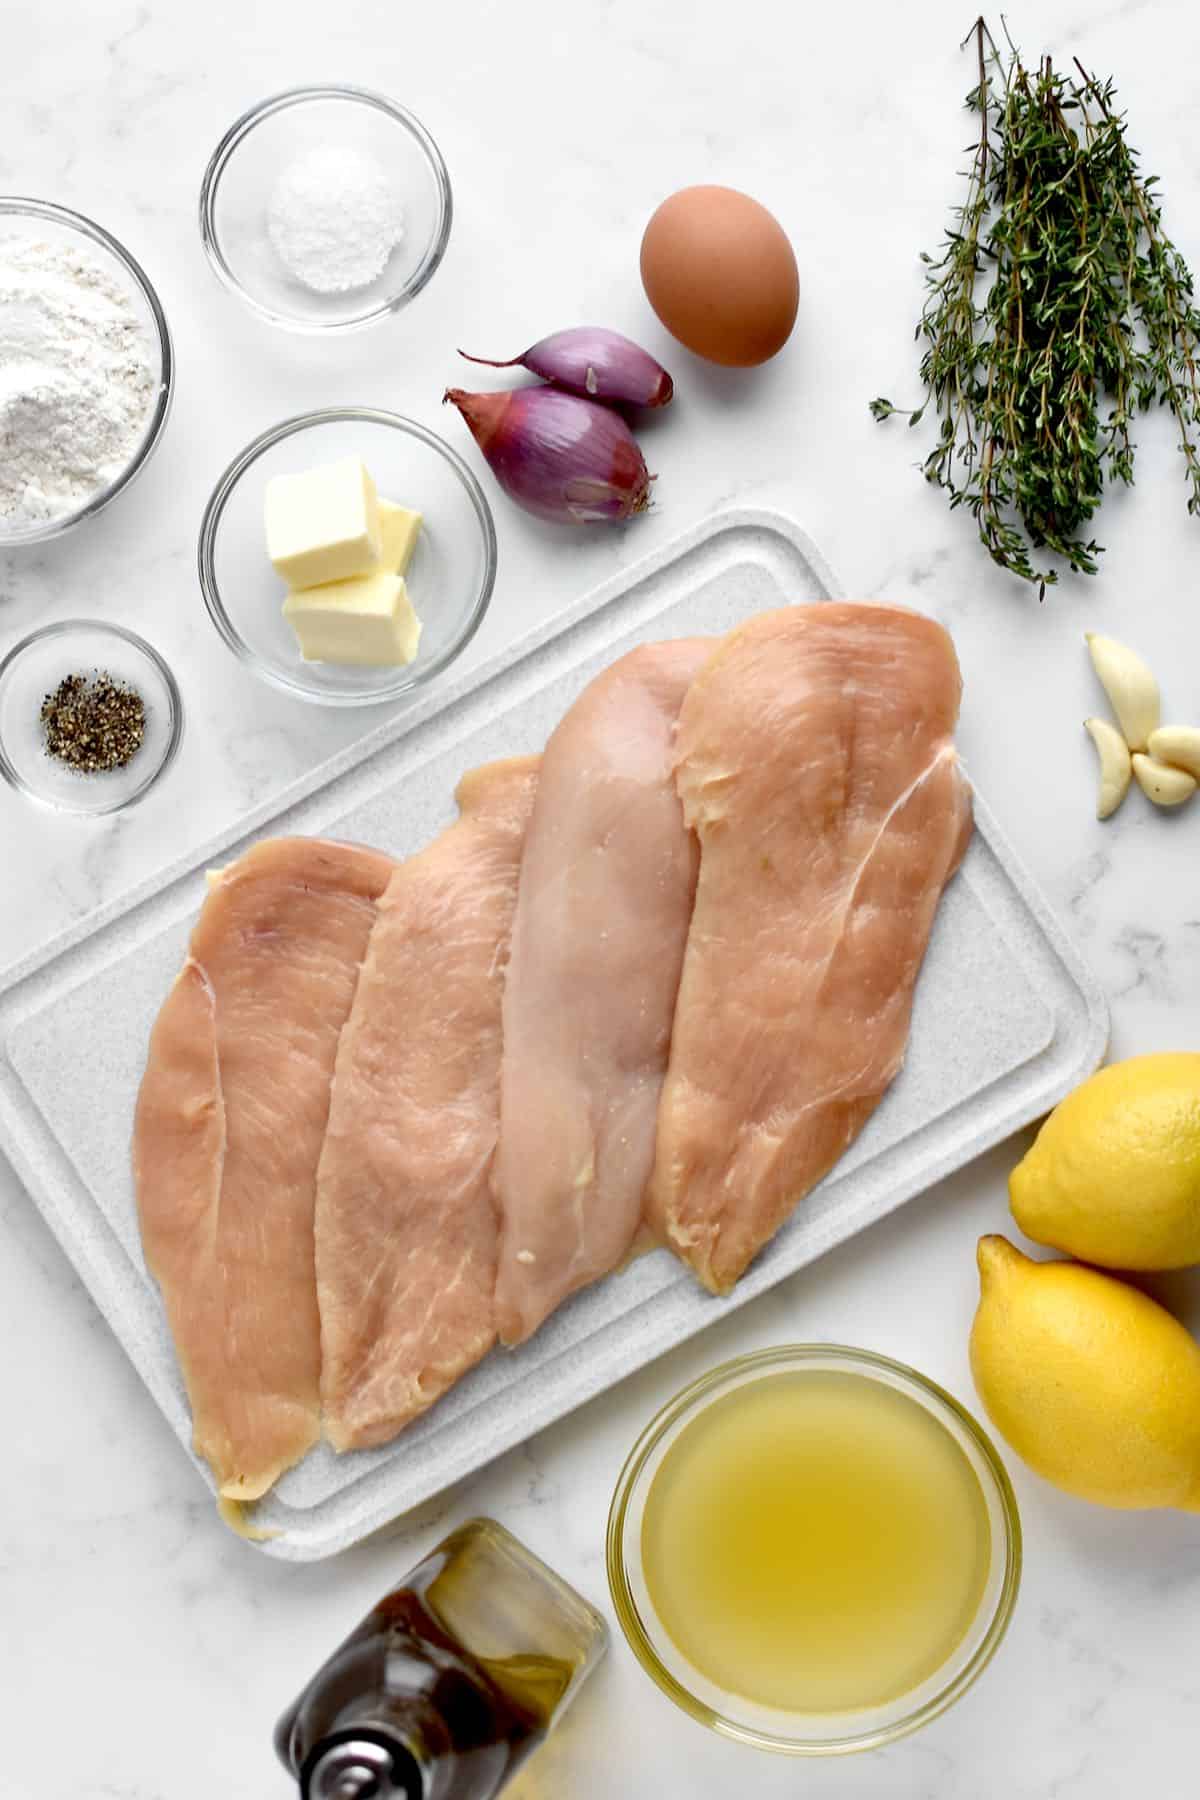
{"points": [[365, 1769]]}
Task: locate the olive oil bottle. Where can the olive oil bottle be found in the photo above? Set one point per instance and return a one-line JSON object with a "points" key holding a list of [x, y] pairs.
{"points": [[449, 1682]]}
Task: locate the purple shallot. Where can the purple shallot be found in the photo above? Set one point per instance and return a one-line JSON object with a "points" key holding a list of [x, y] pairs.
{"points": [[595, 363], [558, 455]]}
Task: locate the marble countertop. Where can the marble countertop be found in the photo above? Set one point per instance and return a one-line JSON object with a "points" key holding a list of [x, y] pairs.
{"points": [[145, 1653]]}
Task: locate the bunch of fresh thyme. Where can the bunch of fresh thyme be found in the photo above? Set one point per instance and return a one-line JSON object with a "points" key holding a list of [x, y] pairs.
{"points": [[1056, 311]]}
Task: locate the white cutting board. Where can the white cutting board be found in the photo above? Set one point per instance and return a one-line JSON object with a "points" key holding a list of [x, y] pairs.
{"points": [[1006, 1020]]}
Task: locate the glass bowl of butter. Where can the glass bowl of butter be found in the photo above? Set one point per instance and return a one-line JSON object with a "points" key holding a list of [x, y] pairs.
{"points": [[347, 556]]}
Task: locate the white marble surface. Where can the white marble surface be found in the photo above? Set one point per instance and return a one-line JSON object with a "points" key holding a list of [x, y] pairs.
{"points": [[144, 1652]]}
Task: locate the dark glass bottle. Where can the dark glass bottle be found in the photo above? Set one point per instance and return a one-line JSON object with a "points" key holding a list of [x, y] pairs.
{"points": [[449, 1683]]}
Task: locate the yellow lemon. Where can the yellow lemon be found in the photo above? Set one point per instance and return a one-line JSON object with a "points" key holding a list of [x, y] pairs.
{"points": [[1114, 1174], [1094, 1385]]}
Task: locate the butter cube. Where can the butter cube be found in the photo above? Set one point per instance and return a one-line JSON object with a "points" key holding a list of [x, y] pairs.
{"points": [[323, 525], [366, 619], [398, 527]]}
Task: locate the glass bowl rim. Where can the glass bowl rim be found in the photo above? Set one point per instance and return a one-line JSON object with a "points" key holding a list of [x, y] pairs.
{"points": [[282, 101], [672, 1414], [25, 206], [105, 627], [417, 675]]}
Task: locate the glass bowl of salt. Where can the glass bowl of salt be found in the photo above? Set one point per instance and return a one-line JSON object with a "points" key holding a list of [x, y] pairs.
{"points": [[326, 208]]}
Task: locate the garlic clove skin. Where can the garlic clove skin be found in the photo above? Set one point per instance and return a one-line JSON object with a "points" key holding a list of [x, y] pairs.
{"points": [[1116, 767], [1130, 686], [1178, 745], [1160, 782]]}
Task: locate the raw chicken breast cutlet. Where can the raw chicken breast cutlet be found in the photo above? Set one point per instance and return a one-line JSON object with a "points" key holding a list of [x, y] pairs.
{"points": [[406, 1233], [606, 890], [815, 759]]}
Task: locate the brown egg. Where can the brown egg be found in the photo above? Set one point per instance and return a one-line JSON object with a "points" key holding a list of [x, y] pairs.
{"points": [[721, 275]]}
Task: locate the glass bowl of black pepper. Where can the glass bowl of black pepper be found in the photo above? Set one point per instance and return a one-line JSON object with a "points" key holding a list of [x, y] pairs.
{"points": [[90, 716]]}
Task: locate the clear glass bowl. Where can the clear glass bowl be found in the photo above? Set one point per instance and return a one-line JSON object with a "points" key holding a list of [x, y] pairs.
{"points": [[34, 667], [768, 1728], [243, 170], [40, 218], [450, 579]]}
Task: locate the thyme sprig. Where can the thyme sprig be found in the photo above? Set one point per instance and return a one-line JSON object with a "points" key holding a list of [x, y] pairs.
{"points": [[1057, 310]]}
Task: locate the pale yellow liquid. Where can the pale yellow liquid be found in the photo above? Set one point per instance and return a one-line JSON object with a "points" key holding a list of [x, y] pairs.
{"points": [[816, 1542]]}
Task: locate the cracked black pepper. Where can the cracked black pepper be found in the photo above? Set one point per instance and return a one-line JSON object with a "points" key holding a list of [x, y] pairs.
{"points": [[93, 723]]}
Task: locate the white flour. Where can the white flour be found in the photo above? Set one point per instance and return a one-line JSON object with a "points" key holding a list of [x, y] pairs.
{"points": [[334, 219], [77, 379]]}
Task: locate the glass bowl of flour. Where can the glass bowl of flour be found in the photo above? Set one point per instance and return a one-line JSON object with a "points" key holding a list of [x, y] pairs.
{"points": [[326, 208], [86, 369]]}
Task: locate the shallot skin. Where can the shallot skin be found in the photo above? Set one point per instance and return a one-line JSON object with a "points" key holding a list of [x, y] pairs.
{"points": [[595, 363], [559, 456]]}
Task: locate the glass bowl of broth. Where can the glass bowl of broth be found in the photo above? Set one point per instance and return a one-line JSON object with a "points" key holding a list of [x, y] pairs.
{"points": [[814, 1550]]}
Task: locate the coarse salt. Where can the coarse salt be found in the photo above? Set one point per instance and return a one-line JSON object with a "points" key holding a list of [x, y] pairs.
{"points": [[334, 219]]}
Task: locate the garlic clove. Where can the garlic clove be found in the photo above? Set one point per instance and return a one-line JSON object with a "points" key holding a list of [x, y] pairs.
{"points": [[1161, 783], [1131, 688], [1178, 745], [1116, 769]]}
